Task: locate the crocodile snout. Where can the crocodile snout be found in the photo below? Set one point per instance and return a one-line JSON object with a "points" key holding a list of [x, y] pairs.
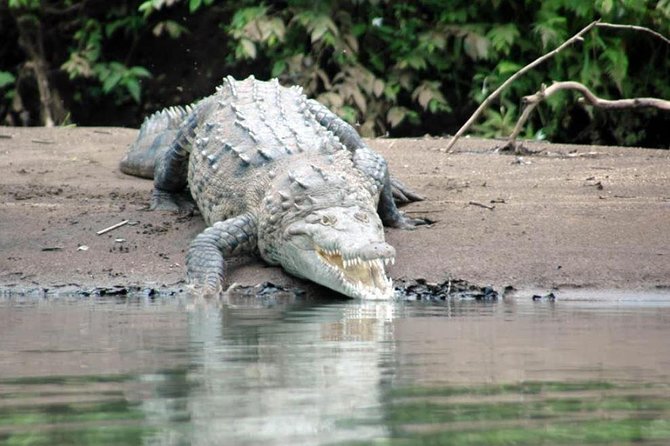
{"points": [[377, 250]]}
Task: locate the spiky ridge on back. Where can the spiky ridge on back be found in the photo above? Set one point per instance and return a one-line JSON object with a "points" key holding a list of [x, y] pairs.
{"points": [[156, 134], [166, 119], [251, 132]]}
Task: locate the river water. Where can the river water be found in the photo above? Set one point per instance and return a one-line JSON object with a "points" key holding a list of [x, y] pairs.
{"points": [[585, 369]]}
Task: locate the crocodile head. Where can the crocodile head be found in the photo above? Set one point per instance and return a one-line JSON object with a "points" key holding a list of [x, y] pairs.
{"points": [[342, 248]]}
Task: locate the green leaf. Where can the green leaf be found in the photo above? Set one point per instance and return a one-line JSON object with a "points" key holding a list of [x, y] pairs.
{"points": [[133, 87], [391, 90], [194, 5], [6, 78], [111, 81], [138, 71], [503, 37], [606, 6], [414, 61], [320, 26], [28, 4], [349, 114], [616, 63], [278, 68], [318, 31], [433, 40], [437, 105], [507, 67], [429, 96], [146, 7], [552, 31], [172, 28]]}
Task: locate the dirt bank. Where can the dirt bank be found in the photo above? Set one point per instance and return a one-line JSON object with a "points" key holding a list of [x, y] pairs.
{"points": [[571, 216]]}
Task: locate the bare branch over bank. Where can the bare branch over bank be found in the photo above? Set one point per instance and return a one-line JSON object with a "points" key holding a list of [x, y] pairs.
{"points": [[533, 100], [637, 102]]}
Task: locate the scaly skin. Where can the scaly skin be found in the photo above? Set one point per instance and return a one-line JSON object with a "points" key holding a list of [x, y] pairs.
{"points": [[279, 175]]}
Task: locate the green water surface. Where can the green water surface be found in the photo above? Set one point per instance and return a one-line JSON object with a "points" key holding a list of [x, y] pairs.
{"points": [[167, 371]]}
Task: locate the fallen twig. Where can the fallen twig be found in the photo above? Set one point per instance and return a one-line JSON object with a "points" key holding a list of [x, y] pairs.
{"points": [[581, 155], [481, 205], [118, 225], [425, 211]]}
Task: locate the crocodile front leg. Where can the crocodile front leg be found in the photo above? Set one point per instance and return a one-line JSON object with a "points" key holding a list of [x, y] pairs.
{"points": [[389, 213], [403, 194], [205, 259], [374, 165]]}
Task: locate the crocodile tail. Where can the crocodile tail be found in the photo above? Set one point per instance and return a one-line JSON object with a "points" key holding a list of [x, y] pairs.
{"points": [[156, 134]]}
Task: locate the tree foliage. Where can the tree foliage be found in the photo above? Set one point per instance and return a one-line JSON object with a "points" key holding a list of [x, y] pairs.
{"points": [[404, 68]]}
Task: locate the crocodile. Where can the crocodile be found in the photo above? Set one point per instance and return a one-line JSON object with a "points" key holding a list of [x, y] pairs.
{"points": [[279, 175]]}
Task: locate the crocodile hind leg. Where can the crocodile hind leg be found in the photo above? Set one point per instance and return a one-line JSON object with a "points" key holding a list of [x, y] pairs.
{"points": [[352, 141], [205, 259], [154, 138], [171, 169]]}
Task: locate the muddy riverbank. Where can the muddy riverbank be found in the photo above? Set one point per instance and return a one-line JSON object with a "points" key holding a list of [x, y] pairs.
{"points": [[565, 217]]}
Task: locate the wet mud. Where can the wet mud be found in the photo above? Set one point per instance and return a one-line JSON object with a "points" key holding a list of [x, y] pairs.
{"points": [[551, 218], [267, 293]]}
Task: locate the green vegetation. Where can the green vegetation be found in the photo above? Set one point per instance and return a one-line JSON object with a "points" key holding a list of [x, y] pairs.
{"points": [[529, 413], [86, 409], [404, 68], [55, 416]]}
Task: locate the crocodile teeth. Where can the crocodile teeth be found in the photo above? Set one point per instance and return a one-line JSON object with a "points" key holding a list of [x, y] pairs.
{"points": [[358, 277]]}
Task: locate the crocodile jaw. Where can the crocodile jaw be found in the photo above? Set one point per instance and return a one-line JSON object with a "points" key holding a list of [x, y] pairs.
{"points": [[355, 276]]}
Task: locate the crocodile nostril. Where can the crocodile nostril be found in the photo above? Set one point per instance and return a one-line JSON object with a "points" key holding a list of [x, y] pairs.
{"points": [[380, 250]]}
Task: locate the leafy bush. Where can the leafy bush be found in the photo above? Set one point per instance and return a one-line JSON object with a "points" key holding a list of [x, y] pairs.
{"points": [[402, 68]]}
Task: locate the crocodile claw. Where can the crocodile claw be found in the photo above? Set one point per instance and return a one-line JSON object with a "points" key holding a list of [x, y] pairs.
{"points": [[402, 194], [181, 203]]}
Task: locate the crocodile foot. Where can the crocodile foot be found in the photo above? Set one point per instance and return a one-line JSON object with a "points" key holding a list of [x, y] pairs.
{"points": [[181, 203], [409, 223], [402, 194]]}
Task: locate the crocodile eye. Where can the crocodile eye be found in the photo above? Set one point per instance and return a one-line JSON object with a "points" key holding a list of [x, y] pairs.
{"points": [[361, 216], [328, 220]]}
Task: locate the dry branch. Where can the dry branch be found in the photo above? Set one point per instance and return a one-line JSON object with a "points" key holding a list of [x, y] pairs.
{"points": [[536, 62], [634, 28], [587, 96], [117, 225], [481, 205], [514, 77]]}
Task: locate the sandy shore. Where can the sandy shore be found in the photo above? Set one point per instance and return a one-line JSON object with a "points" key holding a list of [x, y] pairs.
{"points": [[567, 217]]}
